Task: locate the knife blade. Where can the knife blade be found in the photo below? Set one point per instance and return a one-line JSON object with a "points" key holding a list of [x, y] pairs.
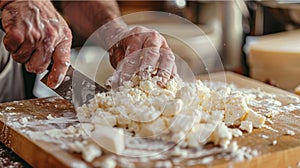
{"points": [[76, 87]]}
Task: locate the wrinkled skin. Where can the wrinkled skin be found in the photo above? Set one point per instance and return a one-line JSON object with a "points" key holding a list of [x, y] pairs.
{"points": [[35, 34], [143, 51], [120, 41]]}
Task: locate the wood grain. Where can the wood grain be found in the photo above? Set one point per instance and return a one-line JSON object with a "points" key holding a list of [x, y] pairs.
{"points": [[44, 154]]}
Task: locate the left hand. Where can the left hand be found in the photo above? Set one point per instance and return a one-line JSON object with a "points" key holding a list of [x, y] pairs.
{"points": [[144, 51], [35, 34]]}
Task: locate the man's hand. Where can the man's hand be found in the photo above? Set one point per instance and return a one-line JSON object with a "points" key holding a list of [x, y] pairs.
{"points": [[35, 34], [141, 50]]}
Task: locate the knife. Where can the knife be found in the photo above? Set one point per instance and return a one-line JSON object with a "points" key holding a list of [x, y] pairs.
{"points": [[76, 87]]}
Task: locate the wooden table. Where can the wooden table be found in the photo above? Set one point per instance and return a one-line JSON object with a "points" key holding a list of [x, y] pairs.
{"points": [[44, 154]]}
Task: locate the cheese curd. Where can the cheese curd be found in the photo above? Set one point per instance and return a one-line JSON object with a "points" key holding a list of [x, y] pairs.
{"points": [[192, 112], [235, 109], [90, 152], [246, 126], [256, 119]]}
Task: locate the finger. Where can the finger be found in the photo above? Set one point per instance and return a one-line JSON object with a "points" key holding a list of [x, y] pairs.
{"points": [[41, 58], [133, 43], [61, 62], [116, 55], [166, 64], [148, 63], [174, 71], [113, 81], [13, 40], [24, 52], [150, 54], [130, 44], [131, 64], [39, 61]]}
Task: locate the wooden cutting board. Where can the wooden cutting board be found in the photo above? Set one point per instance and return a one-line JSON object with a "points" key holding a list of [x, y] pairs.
{"points": [[286, 153]]}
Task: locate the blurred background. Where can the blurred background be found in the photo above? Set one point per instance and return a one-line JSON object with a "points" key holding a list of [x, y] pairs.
{"points": [[245, 34]]}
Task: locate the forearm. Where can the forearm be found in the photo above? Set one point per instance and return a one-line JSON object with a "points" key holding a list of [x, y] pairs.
{"points": [[86, 17]]}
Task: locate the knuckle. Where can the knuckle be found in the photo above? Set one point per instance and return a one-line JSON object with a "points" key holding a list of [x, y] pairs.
{"points": [[50, 36], [171, 57], [14, 38], [67, 34], [62, 49], [63, 61], [51, 33], [154, 34], [138, 29], [168, 55], [36, 35]]}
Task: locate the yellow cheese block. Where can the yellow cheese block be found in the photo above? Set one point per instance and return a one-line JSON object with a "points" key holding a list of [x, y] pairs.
{"points": [[276, 57]]}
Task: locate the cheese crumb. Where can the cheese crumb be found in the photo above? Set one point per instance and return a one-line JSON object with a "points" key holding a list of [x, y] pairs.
{"points": [[107, 162], [256, 119], [90, 152], [23, 120], [274, 142], [111, 139], [246, 126], [50, 117], [9, 108], [165, 164], [289, 132]]}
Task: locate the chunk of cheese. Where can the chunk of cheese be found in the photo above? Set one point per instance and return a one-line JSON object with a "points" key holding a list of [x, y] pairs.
{"points": [[276, 57], [111, 139], [246, 126], [256, 119]]}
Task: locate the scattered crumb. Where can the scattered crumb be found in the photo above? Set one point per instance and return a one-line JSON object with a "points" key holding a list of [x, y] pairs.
{"points": [[164, 164], [246, 126], [67, 78], [122, 162], [289, 132], [274, 142], [90, 152], [9, 108], [108, 162], [221, 135], [50, 117], [269, 121], [264, 136], [208, 160], [23, 120]]}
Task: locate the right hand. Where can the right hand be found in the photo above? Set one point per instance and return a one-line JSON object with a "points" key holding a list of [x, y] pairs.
{"points": [[141, 50], [35, 34]]}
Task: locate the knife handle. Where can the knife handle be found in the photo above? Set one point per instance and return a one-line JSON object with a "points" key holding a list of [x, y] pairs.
{"points": [[49, 68]]}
